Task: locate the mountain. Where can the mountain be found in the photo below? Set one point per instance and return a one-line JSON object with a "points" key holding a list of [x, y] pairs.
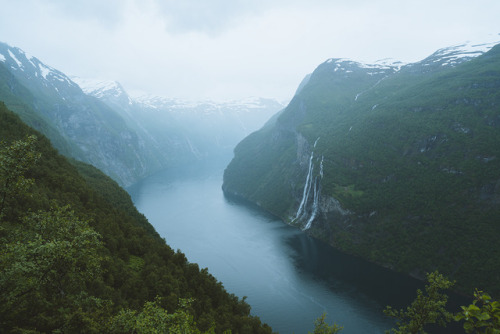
{"points": [[54, 279], [397, 163], [78, 125], [211, 128], [97, 122], [185, 131]]}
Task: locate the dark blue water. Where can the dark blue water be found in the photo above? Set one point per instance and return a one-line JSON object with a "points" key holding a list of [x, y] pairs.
{"points": [[289, 278]]}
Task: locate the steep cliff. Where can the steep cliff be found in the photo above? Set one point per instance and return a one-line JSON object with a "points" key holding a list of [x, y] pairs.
{"points": [[396, 163], [97, 122], [185, 131], [54, 279], [78, 125]]}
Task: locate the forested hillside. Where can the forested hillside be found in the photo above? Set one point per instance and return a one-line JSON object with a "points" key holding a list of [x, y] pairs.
{"points": [[397, 164], [76, 256]]}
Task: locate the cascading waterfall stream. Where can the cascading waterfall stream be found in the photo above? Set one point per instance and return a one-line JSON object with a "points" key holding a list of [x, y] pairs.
{"points": [[313, 186], [321, 166], [307, 187], [315, 205]]}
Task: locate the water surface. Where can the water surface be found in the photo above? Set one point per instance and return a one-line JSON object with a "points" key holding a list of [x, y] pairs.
{"points": [[289, 278]]}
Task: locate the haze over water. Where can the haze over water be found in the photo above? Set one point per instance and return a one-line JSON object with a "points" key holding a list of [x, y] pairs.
{"points": [[289, 278]]}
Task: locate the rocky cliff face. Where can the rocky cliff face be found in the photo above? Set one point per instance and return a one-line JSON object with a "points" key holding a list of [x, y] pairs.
{"points": [[393, 162], [185, 131], [126, 138], [79, 126], [312, 199]]}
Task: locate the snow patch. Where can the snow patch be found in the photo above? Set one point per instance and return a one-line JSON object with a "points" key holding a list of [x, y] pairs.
{"points": [[99, 88], [456, 54], [19, 64], [176, 105], [30, 59], [44, 70], [2, 58], [380, 66]]}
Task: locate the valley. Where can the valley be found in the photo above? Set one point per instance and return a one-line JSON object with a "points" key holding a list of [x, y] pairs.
{"points": [[340, 200], [397, 164], [128, 139]]}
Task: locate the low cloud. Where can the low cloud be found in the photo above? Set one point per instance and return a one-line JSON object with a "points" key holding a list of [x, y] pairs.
{"points": [[230, 49]]}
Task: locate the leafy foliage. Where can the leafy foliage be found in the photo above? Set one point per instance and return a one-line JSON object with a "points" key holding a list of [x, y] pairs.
{"points": [[154, 319], [46, 268], [482, 316], [321, 327], [15, 160], [75, 251], [428, 308]]}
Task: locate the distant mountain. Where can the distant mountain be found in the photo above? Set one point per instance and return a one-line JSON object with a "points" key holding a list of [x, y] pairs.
{"points": [[99, 123], [186, 131], [456, 54], [104, 89], [398, 163], [78, 125]]}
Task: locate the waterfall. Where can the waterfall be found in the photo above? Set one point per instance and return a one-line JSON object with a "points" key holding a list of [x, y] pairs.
{"points": [[301, 212], [317, 191], [315, 206], [321, 166], [307, 187]]}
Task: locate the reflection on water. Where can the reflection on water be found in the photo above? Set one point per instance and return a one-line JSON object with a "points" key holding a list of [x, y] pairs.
{"points": [[289, 278]]}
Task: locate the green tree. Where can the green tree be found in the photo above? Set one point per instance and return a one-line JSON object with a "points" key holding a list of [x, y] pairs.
{"points": [[427, 308], [15, 161], [48, 259], [482, 316], [322, 327], [154, 319], [46, 270]]}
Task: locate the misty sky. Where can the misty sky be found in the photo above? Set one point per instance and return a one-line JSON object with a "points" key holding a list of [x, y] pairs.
{"points": [[229, 49]]}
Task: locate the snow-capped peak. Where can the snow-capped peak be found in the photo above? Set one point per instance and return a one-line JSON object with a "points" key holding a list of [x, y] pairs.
{"points": [[103, 89], [19, 64], [208, 106], [387, 63], [99, 88], [380, 66], [449, 56], [158, 102], [29, 67], [456, 54]]}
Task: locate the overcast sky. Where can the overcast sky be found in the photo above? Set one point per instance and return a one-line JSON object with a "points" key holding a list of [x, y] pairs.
{"points": [[229, 49]]}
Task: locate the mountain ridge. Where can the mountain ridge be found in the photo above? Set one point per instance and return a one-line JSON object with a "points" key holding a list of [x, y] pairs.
{"points": [[107, 88], [102, 125], [83, 127], [373, 162]]}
